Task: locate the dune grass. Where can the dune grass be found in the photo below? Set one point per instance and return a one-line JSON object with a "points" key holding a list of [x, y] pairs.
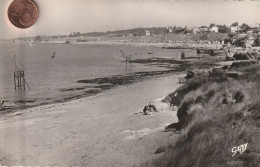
{"points": [[216, 114]]}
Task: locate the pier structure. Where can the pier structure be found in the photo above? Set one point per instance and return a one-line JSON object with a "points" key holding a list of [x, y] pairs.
{"points": [[126, 59], [19, 80]]}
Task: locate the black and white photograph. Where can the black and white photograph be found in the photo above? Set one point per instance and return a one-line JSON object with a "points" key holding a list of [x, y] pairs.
{"points": [[130, 83]]}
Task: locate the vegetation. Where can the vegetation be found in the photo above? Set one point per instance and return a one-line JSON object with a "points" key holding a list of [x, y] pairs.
{"points": [[223, 29], [215, 114], [244, 28], [161, 33], [234, 24]]}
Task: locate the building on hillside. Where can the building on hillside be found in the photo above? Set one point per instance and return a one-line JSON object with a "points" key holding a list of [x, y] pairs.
{"points": [[187, 30], [203, 29], [170, 29], [147, 33], [254, 26], [234, 29], [213, 29], [254, 29], [250, 31], [249, 41], [195, 30], [179, 30]]}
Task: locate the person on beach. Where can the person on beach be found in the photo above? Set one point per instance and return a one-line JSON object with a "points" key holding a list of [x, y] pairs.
{"points": [[182, 54]]}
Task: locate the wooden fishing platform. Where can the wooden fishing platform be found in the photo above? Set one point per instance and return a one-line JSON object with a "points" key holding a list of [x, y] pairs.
{"points": [[19, 80]]}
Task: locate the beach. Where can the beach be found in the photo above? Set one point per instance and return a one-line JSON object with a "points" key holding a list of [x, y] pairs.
{"points": [[92, 110], [143, 83], [102, 130], [101, 120]]}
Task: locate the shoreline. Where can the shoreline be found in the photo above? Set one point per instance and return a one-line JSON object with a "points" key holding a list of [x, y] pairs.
{"points": [[143, 44], [99, 85], [78, 131], [184, 44], [96, 89]]}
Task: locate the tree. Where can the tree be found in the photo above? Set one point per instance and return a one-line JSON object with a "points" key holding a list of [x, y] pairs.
{"points": [[244, 27], [223, 29], [38, 38], [179, 30], [211, 25], [234, 24], [187, 30]]}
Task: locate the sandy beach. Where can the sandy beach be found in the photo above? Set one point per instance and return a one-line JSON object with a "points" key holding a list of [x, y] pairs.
{"points": [[100, 130]]}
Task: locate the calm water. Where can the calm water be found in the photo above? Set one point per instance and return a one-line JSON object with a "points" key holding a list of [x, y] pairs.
{"points": [[47, 76]]}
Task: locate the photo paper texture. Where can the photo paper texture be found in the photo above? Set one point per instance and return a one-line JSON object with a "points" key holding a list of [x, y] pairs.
{"points": [[129, 83]]}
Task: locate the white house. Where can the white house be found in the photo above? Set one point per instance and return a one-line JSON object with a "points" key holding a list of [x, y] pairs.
{"points": [[234, 29], [249, 41], [250, 31], [195, 30], [203, 29], [256, 25], [169, 29], [214, 29], [147, 33]]}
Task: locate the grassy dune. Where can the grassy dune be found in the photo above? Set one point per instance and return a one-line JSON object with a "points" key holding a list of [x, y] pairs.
{"points": [[216, 114]]}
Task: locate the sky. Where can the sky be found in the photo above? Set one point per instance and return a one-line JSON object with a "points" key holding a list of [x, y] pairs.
{"points": [[62, 17]]}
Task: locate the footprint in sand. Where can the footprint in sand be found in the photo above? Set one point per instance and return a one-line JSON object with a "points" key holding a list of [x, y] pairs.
{"points": [[33, 121], [143, 132], [58, 112], [137, 134]]}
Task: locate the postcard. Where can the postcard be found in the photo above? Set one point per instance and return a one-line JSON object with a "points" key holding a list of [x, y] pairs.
{"points": [[126, 83]]}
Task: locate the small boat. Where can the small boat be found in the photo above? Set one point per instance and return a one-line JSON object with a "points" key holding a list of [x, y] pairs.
{"points": [[53, 55], [2, 102]]}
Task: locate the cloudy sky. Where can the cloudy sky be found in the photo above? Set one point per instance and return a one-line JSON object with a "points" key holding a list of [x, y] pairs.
{"points": [[59, 17]]}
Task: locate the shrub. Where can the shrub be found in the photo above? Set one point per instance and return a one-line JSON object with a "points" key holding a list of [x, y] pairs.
{"points": [[213, 118]]}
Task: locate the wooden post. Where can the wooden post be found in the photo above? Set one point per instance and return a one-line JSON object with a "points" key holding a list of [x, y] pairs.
{"points": [[14, 81], [126, 63], [23, 82], [19, 80], [182, 54]]}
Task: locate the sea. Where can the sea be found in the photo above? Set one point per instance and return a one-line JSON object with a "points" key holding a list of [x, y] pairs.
{"points": [[51, 68]]}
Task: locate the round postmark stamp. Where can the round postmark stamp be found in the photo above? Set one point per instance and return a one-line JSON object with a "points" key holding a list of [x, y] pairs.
{"points": [[23, 13]]}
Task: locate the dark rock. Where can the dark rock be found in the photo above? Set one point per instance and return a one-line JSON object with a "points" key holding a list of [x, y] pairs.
{"points": [[234, 74], [229, 58], [160, 150], [238, 64], [149, 108], [191, 74], [241, 56]]}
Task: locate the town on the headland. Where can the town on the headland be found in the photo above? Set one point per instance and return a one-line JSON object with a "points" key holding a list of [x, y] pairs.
{"points": [[235, 34]]}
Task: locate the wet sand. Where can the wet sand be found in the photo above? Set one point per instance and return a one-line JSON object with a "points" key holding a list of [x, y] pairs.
{"points": [[100, 130]]}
